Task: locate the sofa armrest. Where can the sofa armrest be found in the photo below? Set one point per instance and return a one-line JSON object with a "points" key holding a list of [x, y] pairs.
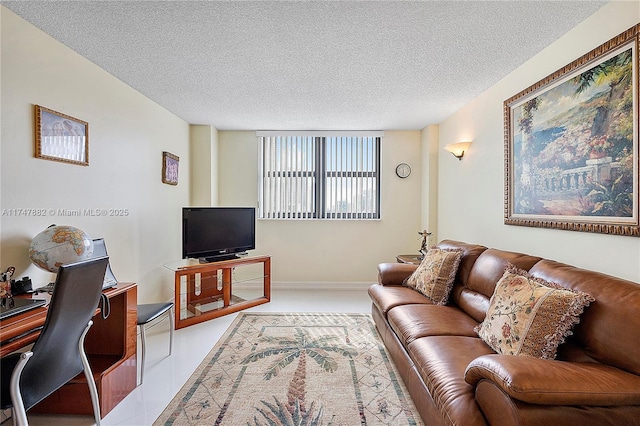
{"points": [[551, 382], [394, 273]]}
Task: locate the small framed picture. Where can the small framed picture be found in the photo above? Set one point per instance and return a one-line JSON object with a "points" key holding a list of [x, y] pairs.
{"points": [[170, 168], [60, 137]]}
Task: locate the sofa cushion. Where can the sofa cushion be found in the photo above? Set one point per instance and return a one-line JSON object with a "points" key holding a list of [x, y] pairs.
{"points": [[434, 277], [608, 330], [470, 302], [386, 297], [472, 294], [410, 322], [489, 267], [470, 253], [441, 362], [530, 316]]}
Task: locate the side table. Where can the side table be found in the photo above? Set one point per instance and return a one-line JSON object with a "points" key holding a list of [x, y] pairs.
{"points": [[414, 259]]}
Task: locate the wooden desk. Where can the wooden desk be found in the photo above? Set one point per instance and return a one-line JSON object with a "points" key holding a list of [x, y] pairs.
{"points": [[110, 346]]}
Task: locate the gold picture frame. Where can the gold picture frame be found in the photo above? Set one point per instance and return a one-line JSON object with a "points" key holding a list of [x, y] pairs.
{"points": [[170, 165], [60, 137], [571, 144]]}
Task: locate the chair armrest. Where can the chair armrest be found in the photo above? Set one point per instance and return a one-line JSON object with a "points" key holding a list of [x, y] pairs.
{"points": [[394, 273], [551, 382]]}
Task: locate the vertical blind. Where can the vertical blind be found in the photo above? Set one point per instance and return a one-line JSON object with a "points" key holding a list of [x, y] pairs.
{"points": [[319, 176]]}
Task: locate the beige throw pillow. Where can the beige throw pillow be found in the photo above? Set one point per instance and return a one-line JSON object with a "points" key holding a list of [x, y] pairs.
{"points": [[530, 316], [434, 277]]}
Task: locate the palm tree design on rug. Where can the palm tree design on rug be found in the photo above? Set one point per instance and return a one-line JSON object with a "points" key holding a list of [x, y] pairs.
{"points": [[300, 346]]}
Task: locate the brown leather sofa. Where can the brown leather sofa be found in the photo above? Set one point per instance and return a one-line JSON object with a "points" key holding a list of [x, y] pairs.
{"points": [[454, 378]]}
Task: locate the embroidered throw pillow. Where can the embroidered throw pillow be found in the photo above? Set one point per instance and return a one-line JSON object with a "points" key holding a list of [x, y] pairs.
{"points": [[434, 277], [530, 316]]}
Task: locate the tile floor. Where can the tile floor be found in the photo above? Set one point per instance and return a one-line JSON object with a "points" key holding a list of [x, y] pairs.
{"points": [[164, 376]]}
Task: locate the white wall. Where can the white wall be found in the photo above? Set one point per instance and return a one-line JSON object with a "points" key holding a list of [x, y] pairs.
{"points": [[471, 191], [127, 134], [329, 251], [203, 173]]}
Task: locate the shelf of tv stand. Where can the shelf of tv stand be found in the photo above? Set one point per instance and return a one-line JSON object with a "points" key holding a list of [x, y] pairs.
{"points": [[204, 291]]}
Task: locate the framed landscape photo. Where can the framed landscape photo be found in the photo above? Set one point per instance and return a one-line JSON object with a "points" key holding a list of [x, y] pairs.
{"points": [[60, 137], [571, 144], [170, 164]]}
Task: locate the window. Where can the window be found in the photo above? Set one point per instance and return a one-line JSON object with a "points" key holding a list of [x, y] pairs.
{"points": [[306, 175]]}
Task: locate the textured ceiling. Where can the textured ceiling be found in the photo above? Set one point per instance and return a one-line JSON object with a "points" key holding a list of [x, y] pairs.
{"points": [[308, 65]]}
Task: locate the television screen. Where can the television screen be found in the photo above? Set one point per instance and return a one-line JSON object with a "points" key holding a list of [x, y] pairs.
{"points": [[217, 233]]}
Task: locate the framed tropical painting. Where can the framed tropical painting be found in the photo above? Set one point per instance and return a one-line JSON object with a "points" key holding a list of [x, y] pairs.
{"points": [[571, 144]]}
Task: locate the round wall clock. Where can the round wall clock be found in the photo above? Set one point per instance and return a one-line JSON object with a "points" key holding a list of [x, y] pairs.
{"points": [[403, 170]]}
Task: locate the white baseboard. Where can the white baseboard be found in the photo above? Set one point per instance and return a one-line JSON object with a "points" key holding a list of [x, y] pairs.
{"points": [[309, 285], [305, 286], [321, 286]]}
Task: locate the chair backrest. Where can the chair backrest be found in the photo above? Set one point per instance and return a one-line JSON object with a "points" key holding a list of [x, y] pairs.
{"points": [[100, 250], [56, 357]]}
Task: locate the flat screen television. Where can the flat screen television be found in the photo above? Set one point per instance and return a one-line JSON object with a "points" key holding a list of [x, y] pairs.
{"points": [[217, 233]]}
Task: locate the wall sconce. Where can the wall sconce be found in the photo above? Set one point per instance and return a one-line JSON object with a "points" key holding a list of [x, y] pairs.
{"points": [[458, 149]]}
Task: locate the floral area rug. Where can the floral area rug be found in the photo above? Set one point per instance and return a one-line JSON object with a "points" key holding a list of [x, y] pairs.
{"points": [[295, 369]]}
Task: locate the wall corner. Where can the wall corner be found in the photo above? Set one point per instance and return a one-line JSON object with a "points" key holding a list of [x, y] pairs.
{"points": [[430, 139], [203, 174]]}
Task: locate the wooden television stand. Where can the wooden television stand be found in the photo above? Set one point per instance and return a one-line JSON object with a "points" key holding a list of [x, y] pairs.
{"points": [[204, 291]]}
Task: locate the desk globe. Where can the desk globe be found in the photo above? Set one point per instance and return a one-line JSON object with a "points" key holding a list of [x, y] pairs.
{"points": [[59, 245]]}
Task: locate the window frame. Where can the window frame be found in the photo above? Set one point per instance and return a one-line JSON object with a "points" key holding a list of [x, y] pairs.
{"points": [[321, 174]]}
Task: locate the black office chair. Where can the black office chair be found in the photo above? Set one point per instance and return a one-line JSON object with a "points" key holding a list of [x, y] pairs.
{"points": [[58, 354], [148, 313]]}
